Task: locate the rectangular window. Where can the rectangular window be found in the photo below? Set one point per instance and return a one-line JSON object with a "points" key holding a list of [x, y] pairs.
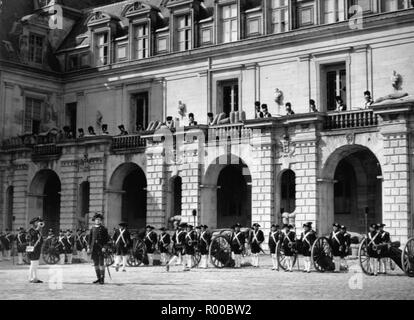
{"points": [[73, 62], [102, 48], [229, 96], [206, 36], [335, 77], [32, 115], [333, 11], [253, 26], [229, 23], [36, 48], [392, 5], [162, 44], [141, 110], [71, 116], [142, 41], [122, 52], [84, 60], [366, 5], [279, 16], [184, 32]]}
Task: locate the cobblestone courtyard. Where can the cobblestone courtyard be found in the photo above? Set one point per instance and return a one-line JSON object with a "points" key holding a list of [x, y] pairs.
{"points": [[74, 282]]}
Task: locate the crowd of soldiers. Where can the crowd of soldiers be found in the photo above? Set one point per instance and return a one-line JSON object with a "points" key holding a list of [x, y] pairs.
{"points": [[180, 248]]}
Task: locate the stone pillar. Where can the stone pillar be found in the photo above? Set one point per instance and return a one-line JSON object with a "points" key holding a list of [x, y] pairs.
{"points": [[68, 195], [20, 190], [156, 186]]}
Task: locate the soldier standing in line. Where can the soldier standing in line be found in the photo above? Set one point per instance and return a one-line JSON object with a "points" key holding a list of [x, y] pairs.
{"points": [[8, 239], [288, 238], [150, 243], [61, 247], [78, 244], [189, 247], [98, 241], [70, 246], [204, 245], [384, 252], [84, 240], [178, 244], [237, 241], [256, 239], [34, 246], [347, 246], [374, 239], [274, 237], [337, 242], [21, 245], [163, 244], [123, 242], [307, 239]]}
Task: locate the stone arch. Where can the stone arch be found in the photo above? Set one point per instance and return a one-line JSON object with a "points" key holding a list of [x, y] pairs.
{"points": [[222, 175], [44, 198], [351, 185], [127, 196]]}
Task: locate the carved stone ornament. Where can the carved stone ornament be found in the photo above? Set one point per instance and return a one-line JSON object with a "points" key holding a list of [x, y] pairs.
{"points": [[350, 138], [85, 163]]}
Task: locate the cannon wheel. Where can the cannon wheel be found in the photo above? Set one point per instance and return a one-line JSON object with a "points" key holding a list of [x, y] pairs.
{"points": [[196, 258], [407, 258], [364, 258], [138, 253], [281, 258], [51, 256], [321, 250], [220, 252]]}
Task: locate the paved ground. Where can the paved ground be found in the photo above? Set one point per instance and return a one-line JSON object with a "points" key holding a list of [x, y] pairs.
{"points": [[74, 282]]}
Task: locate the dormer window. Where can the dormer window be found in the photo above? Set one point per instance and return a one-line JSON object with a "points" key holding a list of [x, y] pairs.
{"points": [[333, 11], [141, 41], [36, 48], [184, 34], [229, 23], [102, 48], [279, 16]]}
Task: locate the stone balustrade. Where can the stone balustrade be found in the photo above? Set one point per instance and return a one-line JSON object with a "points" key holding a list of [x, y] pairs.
{"points": [[351, 119]]}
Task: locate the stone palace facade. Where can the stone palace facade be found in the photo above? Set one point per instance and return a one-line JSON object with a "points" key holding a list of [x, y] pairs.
{"points": [[96, 64]]}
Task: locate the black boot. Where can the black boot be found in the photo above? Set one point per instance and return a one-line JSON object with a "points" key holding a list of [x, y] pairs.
{"points": [[98, 275], [102, 279]]}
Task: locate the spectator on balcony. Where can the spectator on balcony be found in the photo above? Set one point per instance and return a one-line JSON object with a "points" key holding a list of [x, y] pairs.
{"points": [[169, 123], [91, 131], [210, 117], [67, 132], [265, 111], [191, 121], [257, 112], [312, 106], [289, 110], [81, 133], [340, 106], [122, 130], [368, 99], [105, 129], [139, 128]]}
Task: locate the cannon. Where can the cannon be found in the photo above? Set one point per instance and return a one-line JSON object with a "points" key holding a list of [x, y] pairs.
{"points": [[137, 253], [220, 248], [404, 258], [281, 257], [321, 255], [50, 253]]}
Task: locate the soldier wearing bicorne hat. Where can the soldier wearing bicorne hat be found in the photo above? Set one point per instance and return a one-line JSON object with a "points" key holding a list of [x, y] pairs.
{"points": [[34, 246], [274, 238], [237, 242], [337, 242], [347, 247], [150, 241], [97, 246], [204, 245], [374, 239], [287, 242], [384, 250], [190, 244], [123, 242], [178, 239], [164, 242], [70, 241], [21, 245], [307, 239], [256, 239], [61, 246]]}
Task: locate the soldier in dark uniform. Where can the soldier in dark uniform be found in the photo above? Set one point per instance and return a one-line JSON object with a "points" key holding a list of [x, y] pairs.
{"points": [[347, 247], [84, 242], [163, 244], [190, 244], [256, 239], [287, 241], [374, 240], [178, 244], [123, 242], [98, 241], [204, 245], [384, 249], [34, 247], [21, 243], [61, 247], [274, 237], [70, 241], [337, 242], [78, 244], [150, 241], [307, 239], [237, 242], [7, 240]]}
